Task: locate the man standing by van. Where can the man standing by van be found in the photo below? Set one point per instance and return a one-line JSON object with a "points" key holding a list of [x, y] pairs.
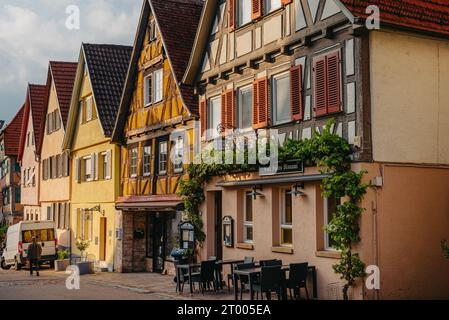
{"points": [[34, 255]]}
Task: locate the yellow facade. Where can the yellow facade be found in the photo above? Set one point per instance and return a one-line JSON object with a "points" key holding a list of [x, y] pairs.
{"points": [[93, 199]]}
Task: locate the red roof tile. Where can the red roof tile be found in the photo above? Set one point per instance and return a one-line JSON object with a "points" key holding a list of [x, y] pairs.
{"points": [[34, 107], [64, 74], [424, 15], [179, 19], [12, 134]]}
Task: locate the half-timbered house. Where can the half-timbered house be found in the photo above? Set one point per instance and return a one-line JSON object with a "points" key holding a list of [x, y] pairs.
{"points": [[291, 66], [153, 123]]}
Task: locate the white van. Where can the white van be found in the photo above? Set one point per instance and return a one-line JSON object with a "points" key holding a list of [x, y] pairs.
{"points": [[19, 237]]}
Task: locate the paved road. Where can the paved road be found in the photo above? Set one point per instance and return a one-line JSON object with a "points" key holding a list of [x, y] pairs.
{"points": [[18, 285]]}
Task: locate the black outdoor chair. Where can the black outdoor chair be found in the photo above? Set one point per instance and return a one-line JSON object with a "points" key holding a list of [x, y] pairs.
{"points": [[271, 263], [297, 279], [247, 260], [270, 281], [244, 280], [206, 277]]}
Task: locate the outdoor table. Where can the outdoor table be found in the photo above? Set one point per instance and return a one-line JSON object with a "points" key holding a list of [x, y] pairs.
{"points": [[252, 273], [179, 273], [222, 263]]}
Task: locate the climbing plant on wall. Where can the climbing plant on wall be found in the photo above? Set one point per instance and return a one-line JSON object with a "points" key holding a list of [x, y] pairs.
{"points": [[332, 155]]}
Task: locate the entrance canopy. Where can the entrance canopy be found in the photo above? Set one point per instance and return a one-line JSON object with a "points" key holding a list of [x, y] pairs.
{"points": [[272, 180], [157, 204]]}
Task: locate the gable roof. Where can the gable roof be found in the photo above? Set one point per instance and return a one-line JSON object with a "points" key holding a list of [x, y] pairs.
{"points": [[34, 107], [421, 15], [11, 134], [107, 66], [63, 75], [175, 19]]}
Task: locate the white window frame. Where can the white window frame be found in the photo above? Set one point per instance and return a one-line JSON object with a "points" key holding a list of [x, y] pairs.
{"points": [[160, 161], [326, 221], [88, 169], [212, 132], [134, 155], [247, 224], [179, 155], [274, 85], [89, 109], [146, 161], [282, 217], [104, 165], [268, 5], [148, 88], [240, 92], [158, 85], [241, 19]]}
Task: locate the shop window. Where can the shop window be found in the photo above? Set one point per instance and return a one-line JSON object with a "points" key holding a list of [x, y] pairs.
{"points": [[330, 207], [248, 225], [286, 218]]}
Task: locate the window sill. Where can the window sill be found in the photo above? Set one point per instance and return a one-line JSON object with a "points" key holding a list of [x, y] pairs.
{"points": [[328, 254], [245, 246], [284, 250]]}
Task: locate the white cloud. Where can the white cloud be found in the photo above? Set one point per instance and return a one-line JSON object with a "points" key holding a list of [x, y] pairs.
{"points": [[32, 32]]}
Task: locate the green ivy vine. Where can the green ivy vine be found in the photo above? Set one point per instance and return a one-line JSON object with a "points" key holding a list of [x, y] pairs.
{"points": [[332, 155]]}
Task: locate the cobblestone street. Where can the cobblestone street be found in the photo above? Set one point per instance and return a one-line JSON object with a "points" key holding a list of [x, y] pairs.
{"points": [[18, 285]]}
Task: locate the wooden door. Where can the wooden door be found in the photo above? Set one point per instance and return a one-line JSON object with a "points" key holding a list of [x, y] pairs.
{"points": [[103, 236]]}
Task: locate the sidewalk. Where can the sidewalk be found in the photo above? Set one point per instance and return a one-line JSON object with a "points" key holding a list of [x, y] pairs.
{"points": [[152, 284]]}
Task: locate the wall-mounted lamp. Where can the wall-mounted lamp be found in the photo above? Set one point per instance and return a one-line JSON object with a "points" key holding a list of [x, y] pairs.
{"points": [[94, 209], [296, 190], [256, 194]]}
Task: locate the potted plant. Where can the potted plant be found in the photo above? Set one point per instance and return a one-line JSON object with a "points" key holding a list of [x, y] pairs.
{"points": [[62, 263], [84, 266], [182, 256]]}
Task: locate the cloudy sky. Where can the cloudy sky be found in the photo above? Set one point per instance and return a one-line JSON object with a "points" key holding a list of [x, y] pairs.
{"points": [[32, 32]]}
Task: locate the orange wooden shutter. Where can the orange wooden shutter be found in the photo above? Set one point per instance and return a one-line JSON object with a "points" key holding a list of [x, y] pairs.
{"points": [[223, 122], [285, 2], [231, 13], [296, 99], [262, 104], [333, 82], [320, 86], [256, 9], [229, 109], [255, 103], [203, 116]]}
